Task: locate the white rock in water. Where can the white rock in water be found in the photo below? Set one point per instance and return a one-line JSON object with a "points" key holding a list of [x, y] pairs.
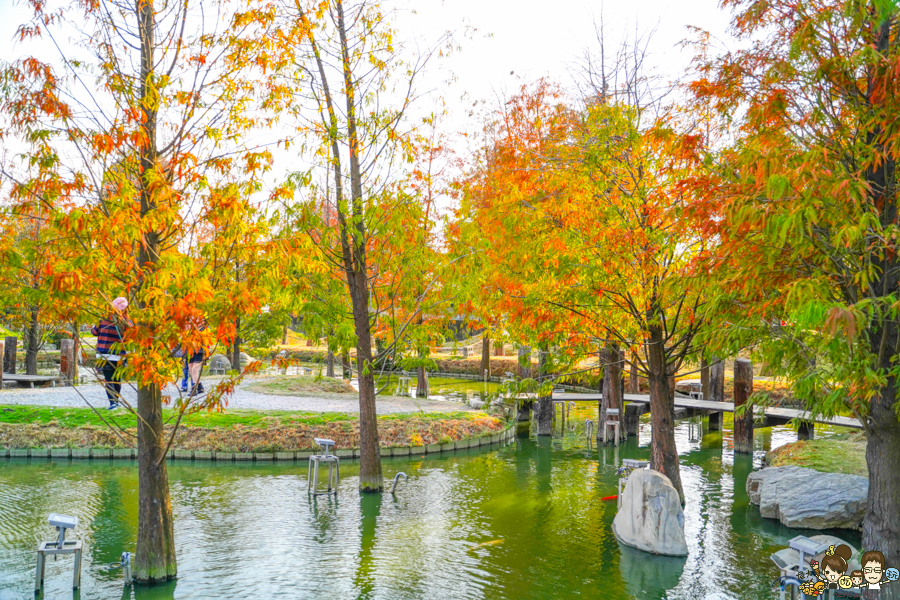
{"points": [[651, 518], [801, 497], [476, 404]]}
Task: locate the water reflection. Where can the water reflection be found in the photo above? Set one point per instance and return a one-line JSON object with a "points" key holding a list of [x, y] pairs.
{"points": [[524, 521]]}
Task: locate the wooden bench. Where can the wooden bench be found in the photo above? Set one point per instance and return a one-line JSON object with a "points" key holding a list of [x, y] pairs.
{"points": [[29, 380]]}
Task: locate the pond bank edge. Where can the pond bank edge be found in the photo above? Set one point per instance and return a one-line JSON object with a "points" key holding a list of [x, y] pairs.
{"points": [[131, 453]]}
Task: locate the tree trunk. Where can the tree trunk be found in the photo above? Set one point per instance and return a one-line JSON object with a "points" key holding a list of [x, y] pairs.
{"points": [[633, 383], [498, 348], [545, 402], [743, 424], [421, 382], [704, 378], [236, 347], [716, 390], [32, 342], [155, 553], [76, 338], [601, 386], [370, 478], [717, 380], [524, 362], [9, 355], [612, 385], [881, 527], [329, 364], [346, 365], [663, 452], [485, 356]]}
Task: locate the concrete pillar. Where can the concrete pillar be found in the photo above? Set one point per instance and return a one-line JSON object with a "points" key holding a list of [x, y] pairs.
{"points": [[9, 355], [715, 421], [67, 362], [743, 387]]}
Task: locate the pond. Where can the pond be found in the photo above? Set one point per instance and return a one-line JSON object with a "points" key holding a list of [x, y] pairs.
{"points": [[535, 506]]}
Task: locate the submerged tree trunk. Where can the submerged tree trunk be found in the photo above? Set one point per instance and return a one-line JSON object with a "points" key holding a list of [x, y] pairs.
{"points": [[155, 553], [663, 453], [545, 401], [32, 342], [612, 386], [370, 478], [154, 558]]}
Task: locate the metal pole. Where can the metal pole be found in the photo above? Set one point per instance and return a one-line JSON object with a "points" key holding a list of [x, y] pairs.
{"points": [[39, 573], [76, 577]]}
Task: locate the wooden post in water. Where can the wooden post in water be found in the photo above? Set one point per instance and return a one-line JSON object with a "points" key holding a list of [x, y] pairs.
{"points": [[716, 391], [743, 387], [9, 355], [545, 406], [67, 362], [806, 431]]}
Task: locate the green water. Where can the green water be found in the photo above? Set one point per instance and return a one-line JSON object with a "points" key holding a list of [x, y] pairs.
{"points": [[251, 531]]}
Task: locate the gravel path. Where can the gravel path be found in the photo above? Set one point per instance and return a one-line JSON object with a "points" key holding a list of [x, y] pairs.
{"points": [[242, 398]]}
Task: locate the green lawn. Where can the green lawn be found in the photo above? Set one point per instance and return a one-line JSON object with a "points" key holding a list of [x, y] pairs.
{"points": [[78, 417], [235, 430], [844, 453]]}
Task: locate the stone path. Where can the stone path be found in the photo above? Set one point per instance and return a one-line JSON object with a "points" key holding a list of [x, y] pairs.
{"points": [[242, 398]]}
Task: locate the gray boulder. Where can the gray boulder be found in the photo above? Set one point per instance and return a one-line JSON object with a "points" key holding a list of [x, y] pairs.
{"points": [[651, 518], [219, 362], [801, 497]]}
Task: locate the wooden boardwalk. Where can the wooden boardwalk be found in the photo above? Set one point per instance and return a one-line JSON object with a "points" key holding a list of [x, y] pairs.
{"points": [[772, 413]]}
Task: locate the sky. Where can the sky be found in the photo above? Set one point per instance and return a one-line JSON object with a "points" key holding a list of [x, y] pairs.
{"points": [[506, 43]]}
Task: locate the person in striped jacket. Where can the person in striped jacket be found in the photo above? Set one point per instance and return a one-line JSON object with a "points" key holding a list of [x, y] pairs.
{"points": [[110, 352]]}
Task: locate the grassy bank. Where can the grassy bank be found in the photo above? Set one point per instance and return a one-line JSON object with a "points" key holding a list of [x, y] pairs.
{"points": [[845, 453], [235, 430], [302, 386]]}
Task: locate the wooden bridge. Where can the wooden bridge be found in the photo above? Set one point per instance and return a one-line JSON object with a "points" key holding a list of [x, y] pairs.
{"points": [[638, 404]]}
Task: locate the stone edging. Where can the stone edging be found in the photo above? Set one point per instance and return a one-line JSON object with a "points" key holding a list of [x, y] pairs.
{"points": [[131, 453]]}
